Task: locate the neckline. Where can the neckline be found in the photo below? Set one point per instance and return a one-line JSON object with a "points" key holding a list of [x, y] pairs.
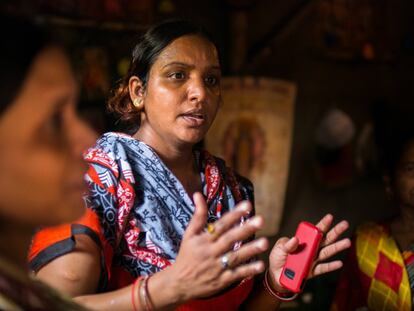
{"points": [[196, 157]]}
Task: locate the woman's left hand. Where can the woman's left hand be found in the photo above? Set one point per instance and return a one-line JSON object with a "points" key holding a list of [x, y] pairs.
{"points": [[329, 247]]}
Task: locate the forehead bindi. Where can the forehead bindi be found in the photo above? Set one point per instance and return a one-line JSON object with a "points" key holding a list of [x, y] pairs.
{"points": [[194, 51]]}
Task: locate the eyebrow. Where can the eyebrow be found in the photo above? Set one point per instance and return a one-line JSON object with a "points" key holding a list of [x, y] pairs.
{"points": [[216, 67]]}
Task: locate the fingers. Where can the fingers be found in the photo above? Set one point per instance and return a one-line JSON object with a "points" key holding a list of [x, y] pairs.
{"points": [[323, 268], [288, 245], [281, 250], [333, 249], [335, 232], [230, 276], [247, 251], [198, 221], [230, 219], [325, 223], [330, 246], [238, 233]]}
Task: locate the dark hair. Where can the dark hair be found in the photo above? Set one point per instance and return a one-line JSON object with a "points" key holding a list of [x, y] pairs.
{"points": [[145, 53], [22, 41]]}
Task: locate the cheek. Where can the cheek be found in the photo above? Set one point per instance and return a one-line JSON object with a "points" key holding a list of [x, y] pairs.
{"points": [[215, 107], [32, 187], [405, 188], [162, 107]]}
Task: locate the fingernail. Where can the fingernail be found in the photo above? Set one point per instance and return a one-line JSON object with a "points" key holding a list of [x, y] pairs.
{"points": [[244, 206], [261, 244], [256, 222], [259, 267]]}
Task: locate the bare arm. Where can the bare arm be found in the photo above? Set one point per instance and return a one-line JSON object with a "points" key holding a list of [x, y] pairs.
{"points": [[67, 273], [77, 274]]}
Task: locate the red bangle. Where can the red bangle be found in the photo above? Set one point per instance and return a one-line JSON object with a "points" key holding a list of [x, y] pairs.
{"points": [[288, 296], [133, 293]]}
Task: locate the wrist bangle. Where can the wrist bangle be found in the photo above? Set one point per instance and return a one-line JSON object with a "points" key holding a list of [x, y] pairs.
{"points": [[143, 290], [133, 293], [288, 296]]}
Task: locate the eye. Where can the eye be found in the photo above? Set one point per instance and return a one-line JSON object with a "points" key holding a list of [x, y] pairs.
{"points": [[178, 75], [54, 126], [211, 80], [52, 130], [409, 167], [56, 121]]}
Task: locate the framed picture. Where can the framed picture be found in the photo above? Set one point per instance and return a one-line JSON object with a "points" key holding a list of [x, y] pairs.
{"points": [[253, 134]]}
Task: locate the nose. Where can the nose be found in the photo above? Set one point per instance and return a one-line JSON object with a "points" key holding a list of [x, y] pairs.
{"points": [[197, 91]]}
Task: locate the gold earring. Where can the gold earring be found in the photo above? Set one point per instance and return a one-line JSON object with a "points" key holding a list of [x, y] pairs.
{"points": [[138, 103]]}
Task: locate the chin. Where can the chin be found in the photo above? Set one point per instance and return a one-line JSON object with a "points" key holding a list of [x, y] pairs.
{"points": [[190, 142], [192, 139]]}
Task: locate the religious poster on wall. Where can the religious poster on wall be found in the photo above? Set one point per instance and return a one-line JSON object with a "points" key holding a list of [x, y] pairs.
{"points": [[253, 134]]}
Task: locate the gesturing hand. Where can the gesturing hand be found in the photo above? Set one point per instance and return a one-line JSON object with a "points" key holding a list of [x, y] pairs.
{"points": [[206, 262], [329, 247]]}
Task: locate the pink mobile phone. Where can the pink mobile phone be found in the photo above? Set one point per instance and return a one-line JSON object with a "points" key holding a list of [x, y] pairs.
{"points": [[299, 262]]}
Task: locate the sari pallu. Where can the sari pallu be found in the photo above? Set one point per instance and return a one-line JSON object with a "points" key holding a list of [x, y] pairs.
{"points": [[138, 211], [375, 275]]}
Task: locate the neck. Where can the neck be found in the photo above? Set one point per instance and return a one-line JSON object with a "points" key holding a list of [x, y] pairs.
{"points": [[179, 158], [14, 243]]}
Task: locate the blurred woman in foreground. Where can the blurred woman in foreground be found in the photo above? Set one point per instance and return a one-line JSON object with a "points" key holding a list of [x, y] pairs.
{"points": [[41, 143]]}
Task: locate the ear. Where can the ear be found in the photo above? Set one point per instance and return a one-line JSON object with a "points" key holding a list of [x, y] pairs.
{"points": [[135, 88]]}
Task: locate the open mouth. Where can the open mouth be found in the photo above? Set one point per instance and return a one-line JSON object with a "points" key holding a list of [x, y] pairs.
{"points": [[194, 118]]}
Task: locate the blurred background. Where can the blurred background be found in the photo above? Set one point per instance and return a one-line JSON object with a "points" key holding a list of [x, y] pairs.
{"points": [[340, 74]]}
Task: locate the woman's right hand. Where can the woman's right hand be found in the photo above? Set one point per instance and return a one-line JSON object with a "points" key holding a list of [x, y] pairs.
{"points": [[198, 270]]}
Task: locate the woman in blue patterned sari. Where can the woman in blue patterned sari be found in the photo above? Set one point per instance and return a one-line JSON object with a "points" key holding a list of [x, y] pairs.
{"points": [[168, 225]]}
